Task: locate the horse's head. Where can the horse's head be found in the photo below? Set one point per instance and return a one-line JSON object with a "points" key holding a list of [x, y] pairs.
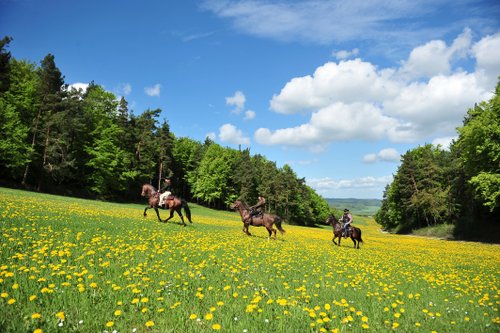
{"points": [[236, 205], [331, 220], [146, 190]]}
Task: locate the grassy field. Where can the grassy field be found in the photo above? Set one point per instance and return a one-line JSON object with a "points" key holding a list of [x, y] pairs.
{"points": [[71, 265]]}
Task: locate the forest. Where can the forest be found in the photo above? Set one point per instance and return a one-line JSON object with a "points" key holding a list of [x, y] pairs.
{"points": [[58, 139], [459, 186], [62, 140]]}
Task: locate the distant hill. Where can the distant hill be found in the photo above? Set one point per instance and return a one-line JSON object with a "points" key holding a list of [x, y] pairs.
{"points": [[367, 207]]}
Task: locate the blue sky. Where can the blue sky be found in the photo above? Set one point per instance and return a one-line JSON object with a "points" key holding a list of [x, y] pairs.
{"points": [[336, 89]]}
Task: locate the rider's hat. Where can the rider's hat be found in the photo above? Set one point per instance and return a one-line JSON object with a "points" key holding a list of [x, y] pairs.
{"points": [[346, 210]]}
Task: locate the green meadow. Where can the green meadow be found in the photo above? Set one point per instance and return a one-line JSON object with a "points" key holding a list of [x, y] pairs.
{"points": [[73, 265]]}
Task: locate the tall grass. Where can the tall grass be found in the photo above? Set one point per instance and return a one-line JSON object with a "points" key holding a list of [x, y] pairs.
{"points": [[70, 265]]}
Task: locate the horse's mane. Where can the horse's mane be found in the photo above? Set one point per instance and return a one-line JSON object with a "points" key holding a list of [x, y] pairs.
{"points": [[245, 205]]}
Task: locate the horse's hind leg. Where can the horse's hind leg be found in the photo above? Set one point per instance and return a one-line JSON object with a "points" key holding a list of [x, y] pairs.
{"points": [[171, 215], [179, 211], [354, 241]]}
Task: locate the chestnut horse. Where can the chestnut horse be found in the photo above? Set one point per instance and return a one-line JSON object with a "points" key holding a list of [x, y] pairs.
{"points": [[173, 203], [266, 220], [338, 229]]}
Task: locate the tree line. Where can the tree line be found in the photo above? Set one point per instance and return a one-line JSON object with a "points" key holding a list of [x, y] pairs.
{"points": [[459, 186], [63, 140]]}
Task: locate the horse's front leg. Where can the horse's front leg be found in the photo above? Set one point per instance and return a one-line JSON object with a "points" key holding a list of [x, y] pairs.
{"points": [[245, 229], [356, 246], [157, 214], [145, 209], [333, 240]]}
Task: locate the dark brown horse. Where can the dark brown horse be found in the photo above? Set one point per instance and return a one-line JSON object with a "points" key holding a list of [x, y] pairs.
{"points": [[338, 229], [173, 203], [262, 220]]}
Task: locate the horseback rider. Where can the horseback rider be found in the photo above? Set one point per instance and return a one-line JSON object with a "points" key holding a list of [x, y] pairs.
{"points": [[258, 208], [166, 191], [347, 220]]}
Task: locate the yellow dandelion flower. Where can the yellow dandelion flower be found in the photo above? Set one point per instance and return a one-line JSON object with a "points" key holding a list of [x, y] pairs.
{"points": [[109, 324], [364, 319], [216, 327], [193, 316], [209, 316], [118, 313], [395, 325], [150, 323], [11, 301], [38, 330], [36, 316], [61, 315], [365, 326], [4, 295], [15, 286]]}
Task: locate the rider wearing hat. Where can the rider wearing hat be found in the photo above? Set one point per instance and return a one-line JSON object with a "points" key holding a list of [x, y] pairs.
{"points": [[347, 219], [166, 189]]}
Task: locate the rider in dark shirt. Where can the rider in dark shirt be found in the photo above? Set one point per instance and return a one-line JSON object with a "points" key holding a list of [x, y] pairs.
{"points": [[258, 208]]}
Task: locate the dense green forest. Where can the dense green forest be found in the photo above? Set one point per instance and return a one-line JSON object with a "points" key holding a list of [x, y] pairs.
{"points": [[459, 186], [57, 139]]}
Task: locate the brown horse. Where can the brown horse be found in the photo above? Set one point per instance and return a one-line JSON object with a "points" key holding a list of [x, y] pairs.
{"points": [[266, 220], [338, 229], [173, 203]]}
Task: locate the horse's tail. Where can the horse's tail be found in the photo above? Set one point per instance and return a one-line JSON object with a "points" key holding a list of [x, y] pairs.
{"points": [[277, 221], [360, 239], [186, 209]]}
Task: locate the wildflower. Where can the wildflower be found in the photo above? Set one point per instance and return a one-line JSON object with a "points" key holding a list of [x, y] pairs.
{"points": [[216, 327], [118, 313], [11, 301], [193, 316], [36, 316], [38, 330], [110, 324], [61, 315], [150, 323], [209, 316]]}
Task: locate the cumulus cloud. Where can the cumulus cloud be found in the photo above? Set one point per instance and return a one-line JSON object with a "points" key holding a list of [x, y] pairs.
{"points": [[386, 155], [249, 115], [434, 58], [355, 100], [237, 101], [229, 133], [153, 91]]}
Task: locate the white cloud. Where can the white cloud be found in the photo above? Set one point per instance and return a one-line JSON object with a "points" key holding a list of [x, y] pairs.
{"points": [[229, 133], [355, 100], [249, 115], [348, 82], [78, 86], [386, 155], [123, 89], [237, 101], [319, 21], [344, 54], [486, 52], [444, 142], [211, 135], [153, 91], [434, 57]]}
